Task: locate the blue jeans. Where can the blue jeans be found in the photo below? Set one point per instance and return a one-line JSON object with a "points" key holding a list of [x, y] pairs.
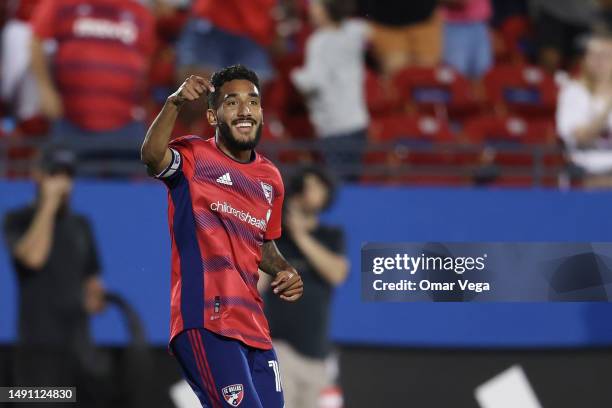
{"points": [[207, 47], [107, 147], [467, 48], [343, 153]]}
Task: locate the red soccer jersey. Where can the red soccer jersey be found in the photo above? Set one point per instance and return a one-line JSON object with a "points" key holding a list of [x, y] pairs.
{"points": [[252, 18], [220, 212], [102, 58]]}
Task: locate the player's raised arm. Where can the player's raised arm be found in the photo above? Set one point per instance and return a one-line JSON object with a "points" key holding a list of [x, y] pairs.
{"points": [[287, 282], [154, 151]]}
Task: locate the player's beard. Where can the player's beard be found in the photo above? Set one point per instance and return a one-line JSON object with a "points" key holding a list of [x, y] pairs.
{"points": [[228, 139]]}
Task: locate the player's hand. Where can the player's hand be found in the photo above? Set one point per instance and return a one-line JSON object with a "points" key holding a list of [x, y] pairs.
{"points": [[193, 87], [288, 285]]}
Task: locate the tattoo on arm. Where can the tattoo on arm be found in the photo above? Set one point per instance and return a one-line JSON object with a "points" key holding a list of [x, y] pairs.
{"points": [[272, 261]]}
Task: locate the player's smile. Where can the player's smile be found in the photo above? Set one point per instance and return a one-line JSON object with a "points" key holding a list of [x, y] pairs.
{"points": [[244, 126]]}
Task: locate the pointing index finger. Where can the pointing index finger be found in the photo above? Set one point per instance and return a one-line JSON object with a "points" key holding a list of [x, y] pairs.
{"points": [[205, 83]]}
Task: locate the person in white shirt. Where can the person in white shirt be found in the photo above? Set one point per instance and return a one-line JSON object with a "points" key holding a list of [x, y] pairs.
{"points": [[332, 80], [18, 89], [584, 113]]}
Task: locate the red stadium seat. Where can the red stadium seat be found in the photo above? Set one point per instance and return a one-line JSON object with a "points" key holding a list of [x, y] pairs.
{"points": [[510, 132], [509, 129], [416, 127], [428, 135], [521, 89], [435, 90], [503, 134], [402, 166], [381, 97], [299, 127]]}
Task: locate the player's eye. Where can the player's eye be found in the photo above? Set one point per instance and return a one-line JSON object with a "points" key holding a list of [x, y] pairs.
{"points": [[254, 102], [230, 102]]}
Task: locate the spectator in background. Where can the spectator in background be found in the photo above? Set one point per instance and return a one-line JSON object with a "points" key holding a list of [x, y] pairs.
{"points": [[584, 113], [18, 87], [54, 255], [560, 24], [467, 42], [95, 84], [332, 81], [405, 32], [220, 35], [300, 330]]}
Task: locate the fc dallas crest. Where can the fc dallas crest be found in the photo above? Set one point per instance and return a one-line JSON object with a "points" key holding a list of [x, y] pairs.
{"points": [[267, 189], [233, 394]]}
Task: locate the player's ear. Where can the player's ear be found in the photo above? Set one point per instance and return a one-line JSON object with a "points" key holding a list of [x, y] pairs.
{"points": [[211, 116]]}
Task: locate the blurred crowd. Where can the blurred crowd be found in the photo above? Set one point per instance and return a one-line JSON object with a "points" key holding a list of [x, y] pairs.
{"points": [[404, 89]]}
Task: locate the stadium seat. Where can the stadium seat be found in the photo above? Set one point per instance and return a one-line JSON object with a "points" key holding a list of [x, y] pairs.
{"points": [[405, 126], [441, 91], [509, 129], [299, 127], [507, 134], [381, 97], [521, 89], [511, 141], [407, 149]]}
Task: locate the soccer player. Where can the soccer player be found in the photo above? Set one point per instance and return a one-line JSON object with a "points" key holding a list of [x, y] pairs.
{"points": [[224, 211]]}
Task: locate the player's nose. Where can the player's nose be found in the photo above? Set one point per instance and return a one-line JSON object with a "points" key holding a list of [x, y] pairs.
{"points": [[244, 110]]}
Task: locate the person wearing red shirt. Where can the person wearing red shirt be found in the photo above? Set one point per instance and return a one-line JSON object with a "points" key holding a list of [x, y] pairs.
{"points": [[224, 210], [236, 32], [95, 83]]}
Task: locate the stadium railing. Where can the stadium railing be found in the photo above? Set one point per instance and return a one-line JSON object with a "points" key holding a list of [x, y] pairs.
{"points": [[400, 162]]}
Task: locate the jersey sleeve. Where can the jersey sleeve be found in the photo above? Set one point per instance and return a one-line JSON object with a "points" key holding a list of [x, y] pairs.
{"points": [[44, 19], [273, 231], [182, 158]]}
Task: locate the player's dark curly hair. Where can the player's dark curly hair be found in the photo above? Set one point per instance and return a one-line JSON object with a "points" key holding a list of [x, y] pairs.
{"points": [[295, 183], [228, 74]]}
